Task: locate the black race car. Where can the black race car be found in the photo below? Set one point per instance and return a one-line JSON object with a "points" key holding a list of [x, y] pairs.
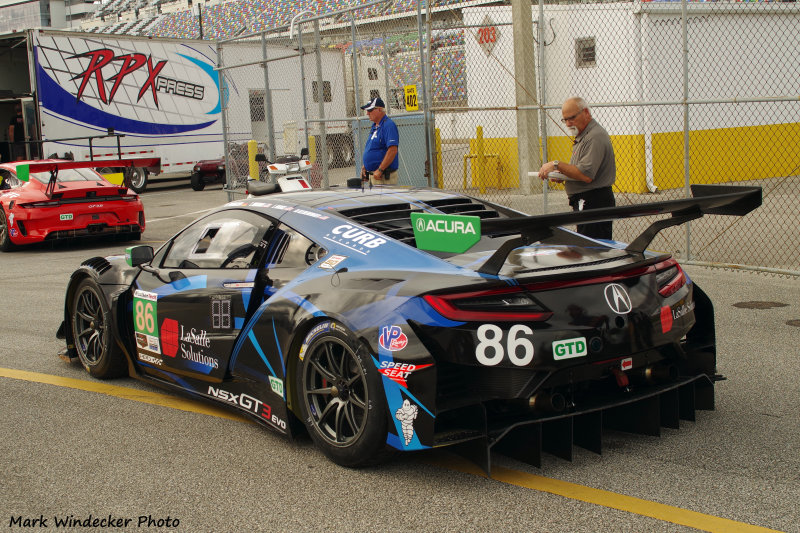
{"points": [[405, 319]]}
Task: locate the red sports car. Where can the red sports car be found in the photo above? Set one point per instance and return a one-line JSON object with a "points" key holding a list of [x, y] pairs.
{"points": [[55, 199]]}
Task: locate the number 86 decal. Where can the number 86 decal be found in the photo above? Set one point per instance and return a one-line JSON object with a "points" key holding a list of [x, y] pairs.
{"points": [[492, 346]]}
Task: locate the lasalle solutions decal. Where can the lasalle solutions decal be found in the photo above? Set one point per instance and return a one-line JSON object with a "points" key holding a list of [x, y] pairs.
{"points": [[445, 233]]}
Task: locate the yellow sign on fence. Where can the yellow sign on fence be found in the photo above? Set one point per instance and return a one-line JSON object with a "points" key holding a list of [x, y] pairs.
{"points": [[411, 98]]}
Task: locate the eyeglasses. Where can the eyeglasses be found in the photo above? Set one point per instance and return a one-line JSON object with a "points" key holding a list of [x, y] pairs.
{"points": [[567, 119]]}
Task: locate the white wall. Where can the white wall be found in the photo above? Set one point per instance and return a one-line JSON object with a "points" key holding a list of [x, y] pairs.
{"points": [[639, 59]]}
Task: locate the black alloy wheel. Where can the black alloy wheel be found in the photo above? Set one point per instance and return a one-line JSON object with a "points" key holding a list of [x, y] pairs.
{"points": [[341, 398], [96, 349]]}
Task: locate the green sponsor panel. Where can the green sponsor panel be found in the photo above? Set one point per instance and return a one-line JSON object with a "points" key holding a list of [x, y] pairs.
{"points": [[145, 313], [23, 172], [445, 233]]}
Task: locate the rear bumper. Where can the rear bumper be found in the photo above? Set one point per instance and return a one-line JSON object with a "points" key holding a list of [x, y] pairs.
{"points": [[31, 226]]}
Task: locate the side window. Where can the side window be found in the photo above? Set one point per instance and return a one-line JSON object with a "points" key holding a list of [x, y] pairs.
{"points": [[227, 239], [8, 180], [288, 248]]}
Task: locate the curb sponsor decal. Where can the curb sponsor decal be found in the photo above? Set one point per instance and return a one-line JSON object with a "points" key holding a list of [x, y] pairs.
{"points": [[569, 348], [445, 233], [355, 238]]}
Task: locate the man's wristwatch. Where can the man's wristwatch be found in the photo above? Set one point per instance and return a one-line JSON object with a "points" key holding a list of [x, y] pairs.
{"points": [[555, 164]]}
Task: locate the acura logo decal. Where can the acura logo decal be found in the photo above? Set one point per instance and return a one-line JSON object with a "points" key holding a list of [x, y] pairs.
{"points": [[617, 298]]}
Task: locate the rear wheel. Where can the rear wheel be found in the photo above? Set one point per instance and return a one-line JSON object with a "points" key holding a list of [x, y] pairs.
{"points": [[340, 396], [91, 332], [331, 155], [5, 237], [198, 183], [137, 178]]}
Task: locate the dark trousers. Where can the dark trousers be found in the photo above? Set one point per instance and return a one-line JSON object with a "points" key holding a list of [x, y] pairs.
{"points": [[594, 199]]}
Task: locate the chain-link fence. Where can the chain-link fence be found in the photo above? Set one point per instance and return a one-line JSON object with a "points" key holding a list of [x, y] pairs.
{"points": [[300, 87], [690, 92]]}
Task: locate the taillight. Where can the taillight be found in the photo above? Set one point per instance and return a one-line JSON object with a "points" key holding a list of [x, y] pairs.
{"points": [[490, 305], [670, 280]]}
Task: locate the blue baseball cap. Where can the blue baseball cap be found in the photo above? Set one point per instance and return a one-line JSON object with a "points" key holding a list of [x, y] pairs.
{"points": [[372, 104]]}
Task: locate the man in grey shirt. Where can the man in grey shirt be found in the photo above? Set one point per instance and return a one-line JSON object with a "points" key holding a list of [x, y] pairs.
{"points": [[591, 170]]}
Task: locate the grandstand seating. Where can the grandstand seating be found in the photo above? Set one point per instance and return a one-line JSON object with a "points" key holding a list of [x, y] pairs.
{"points": [[223, 19]]}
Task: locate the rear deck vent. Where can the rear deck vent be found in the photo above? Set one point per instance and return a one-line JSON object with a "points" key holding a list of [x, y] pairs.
{"points": [[394, 220]]}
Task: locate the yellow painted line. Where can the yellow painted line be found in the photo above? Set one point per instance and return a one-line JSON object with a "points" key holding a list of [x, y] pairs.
{"points": [[127, 393], [629, 504], [604, 498]]}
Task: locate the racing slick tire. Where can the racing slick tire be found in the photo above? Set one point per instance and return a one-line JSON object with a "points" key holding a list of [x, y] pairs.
{"points": [[341, 398], [198, 183], [90, 320], [5, 237], [137, 178]]}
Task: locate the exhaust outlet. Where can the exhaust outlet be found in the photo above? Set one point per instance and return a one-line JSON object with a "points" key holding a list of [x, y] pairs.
{"points": [[546, 402], [656, 374]]}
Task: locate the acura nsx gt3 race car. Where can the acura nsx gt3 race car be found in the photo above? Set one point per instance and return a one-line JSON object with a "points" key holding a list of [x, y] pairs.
{"points": [[405, 319], [56, 199]]}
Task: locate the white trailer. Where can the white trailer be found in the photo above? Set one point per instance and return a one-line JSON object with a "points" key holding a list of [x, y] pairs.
{"points": [[134, 97]]}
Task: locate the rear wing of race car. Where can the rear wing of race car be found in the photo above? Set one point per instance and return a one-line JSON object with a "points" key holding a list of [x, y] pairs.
{"points": [[152, 164], [705, 200]]}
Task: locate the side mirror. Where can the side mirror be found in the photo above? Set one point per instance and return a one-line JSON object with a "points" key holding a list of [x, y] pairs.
{"points": [[354, 183], [304, 153], [261, 158], [138, 255]]}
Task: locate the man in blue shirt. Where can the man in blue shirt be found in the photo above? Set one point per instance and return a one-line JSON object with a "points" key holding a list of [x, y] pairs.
{"points": [[380, 154]]}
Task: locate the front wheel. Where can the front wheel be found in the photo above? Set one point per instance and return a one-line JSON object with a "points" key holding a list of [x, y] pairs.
{"points": [[91, 332], [198, 183], [341, 398]]}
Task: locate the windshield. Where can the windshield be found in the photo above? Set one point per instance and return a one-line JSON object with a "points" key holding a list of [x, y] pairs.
{"points": [[68, 175]]}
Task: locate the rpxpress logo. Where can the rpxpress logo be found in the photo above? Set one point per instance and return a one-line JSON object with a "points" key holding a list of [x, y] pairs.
{"points": [[569, 348], [445, 233]]}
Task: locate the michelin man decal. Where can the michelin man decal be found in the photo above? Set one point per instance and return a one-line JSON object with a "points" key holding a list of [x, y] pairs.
{"points": [[406, 415]]}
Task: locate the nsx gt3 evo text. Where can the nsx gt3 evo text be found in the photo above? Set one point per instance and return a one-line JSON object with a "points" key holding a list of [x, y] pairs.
{"points": [[407, 319]]}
